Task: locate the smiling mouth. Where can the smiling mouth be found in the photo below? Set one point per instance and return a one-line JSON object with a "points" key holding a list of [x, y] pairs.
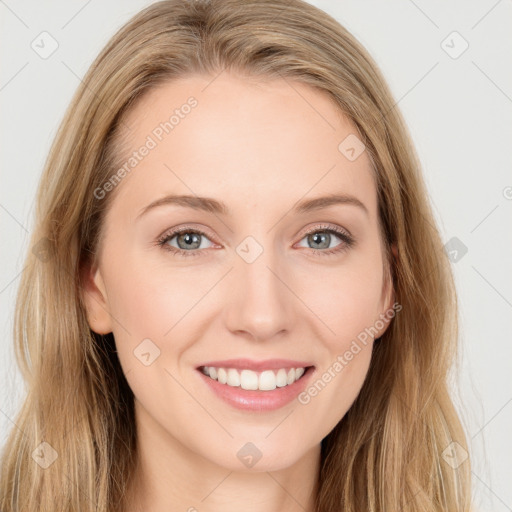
{"points": [[250, 380]]}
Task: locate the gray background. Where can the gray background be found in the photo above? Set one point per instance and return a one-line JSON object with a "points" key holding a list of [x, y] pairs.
{"points": [[458, 108]]}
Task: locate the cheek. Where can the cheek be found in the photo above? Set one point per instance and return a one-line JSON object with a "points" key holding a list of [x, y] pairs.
{"points": [[141, 303], [148, 297], [335, 388], [347, 300], [148, 303]]}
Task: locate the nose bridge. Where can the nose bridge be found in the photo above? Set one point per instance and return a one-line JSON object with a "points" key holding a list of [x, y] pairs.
{"points": [[261, 303]]}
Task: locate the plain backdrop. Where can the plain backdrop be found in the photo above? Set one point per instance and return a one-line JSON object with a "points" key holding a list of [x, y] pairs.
{"points": [[448, 65]]}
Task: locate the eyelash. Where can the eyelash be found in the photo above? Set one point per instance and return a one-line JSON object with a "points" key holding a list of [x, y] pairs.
{"points": [[347, 240]]}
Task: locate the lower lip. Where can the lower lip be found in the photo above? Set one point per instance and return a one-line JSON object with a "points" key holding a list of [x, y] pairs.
{"points": [[256, 400]]}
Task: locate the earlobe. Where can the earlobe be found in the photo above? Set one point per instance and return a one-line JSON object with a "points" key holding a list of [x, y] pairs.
{"points": [[95, 300], [389, 289], [388, 303], [394, 250]]}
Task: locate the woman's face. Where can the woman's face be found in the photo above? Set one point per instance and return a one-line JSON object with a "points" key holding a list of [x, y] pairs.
{"points": [[262, 269]]}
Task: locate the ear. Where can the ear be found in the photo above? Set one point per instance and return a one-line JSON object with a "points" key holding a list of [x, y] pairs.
{"points": [[388, 308], [95, 299], [394, 250]]}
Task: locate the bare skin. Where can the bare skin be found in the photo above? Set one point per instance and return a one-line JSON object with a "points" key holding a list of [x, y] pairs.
{"points": [[259, 147]]}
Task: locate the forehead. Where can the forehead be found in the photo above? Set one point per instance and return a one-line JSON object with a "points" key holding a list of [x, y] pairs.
{"points": [[250, 142]]}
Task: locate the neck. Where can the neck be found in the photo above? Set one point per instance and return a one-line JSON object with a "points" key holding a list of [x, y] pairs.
{"points": [[169, 476]]}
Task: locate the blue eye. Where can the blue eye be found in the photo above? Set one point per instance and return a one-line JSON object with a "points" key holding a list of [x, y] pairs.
{"points": [[191, 239], [323, 235]]}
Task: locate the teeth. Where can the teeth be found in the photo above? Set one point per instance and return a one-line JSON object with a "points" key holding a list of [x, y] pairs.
{"points": [[222, 376], [249, 380], [233, 378], [267, 380], [281, 378]]}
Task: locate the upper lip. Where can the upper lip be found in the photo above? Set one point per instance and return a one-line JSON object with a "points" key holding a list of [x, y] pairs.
{"points": [[250, 364]]}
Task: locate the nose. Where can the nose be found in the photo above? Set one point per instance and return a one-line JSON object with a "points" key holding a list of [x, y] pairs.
{"points": [[261, 304]]}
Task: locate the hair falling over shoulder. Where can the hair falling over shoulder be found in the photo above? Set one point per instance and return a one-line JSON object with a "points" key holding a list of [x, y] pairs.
{"points": [[77, 417]]}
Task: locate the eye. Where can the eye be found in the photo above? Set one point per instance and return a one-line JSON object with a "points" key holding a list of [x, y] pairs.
{"points": [[186, 243], [321, 237]]}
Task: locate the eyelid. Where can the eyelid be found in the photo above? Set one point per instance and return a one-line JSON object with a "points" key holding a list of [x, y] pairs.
{"points": [[325, 226], [211, 236], [347, 240], [187, 227]]}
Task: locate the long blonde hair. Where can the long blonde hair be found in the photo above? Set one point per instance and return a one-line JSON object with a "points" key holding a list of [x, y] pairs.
{"points": [[386, 454]]}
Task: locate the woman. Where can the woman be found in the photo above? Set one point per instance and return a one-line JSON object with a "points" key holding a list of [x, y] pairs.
{"points": [[299, 359]]}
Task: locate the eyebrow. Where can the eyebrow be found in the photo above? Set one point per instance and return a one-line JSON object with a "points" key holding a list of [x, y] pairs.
{"points": [[211, 205]]}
